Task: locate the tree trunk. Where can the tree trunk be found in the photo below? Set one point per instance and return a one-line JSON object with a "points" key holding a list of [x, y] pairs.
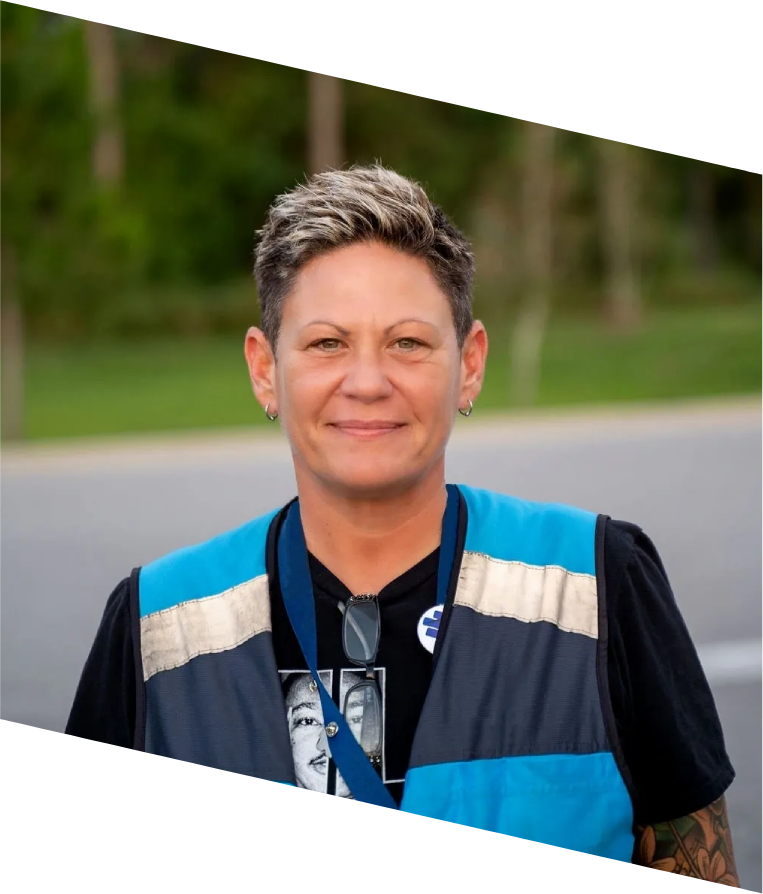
{"points": [[623, 306], [108, 148], [536, 213], [326, 123], [11, 354], [703, 225], [754, 221], [494, 233]]}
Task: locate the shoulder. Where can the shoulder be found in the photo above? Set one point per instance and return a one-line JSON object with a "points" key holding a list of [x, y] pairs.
{"points": [[115, 626], [207, 568], [508, 528], [634, 576], [493, 503], [640, 604], [625, 541]]}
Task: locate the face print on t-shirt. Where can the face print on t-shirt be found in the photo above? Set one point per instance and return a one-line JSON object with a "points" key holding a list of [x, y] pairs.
{"points": [[304, 716]]}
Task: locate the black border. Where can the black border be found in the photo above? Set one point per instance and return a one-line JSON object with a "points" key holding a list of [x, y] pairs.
{"points": [[133, 605], [602, 665], [271, 545]]}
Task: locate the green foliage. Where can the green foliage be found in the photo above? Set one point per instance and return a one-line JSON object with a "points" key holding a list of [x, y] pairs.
{"points": [[45, 127], [210, 138]]}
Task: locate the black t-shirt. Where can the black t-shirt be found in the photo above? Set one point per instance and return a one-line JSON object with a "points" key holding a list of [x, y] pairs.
{"points": [[670, 737]]}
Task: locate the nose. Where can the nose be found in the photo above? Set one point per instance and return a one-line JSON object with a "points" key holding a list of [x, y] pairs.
{"points": [[322, 742], [365, 377]]}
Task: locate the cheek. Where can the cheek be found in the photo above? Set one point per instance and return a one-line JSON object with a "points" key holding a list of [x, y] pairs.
{"points": [[435, 392], [299, 737], [306, 390]]}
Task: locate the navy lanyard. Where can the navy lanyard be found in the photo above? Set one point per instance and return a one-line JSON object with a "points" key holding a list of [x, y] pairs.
{"points": [[297, 590]]}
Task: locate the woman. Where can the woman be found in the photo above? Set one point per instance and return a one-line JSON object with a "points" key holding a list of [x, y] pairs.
{"points": [[526, 668]]}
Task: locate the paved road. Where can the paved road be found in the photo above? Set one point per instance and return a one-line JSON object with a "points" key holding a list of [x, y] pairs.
{"points": [[75, 521]]}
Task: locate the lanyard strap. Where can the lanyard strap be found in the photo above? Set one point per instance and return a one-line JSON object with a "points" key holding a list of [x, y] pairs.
{"points": [[297, 590], [447, 543]]}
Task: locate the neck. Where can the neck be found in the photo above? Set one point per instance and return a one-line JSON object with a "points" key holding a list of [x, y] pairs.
{"points": [[367, 543]]}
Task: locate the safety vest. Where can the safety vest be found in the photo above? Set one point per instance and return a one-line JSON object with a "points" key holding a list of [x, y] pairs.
{"points": [[516, 734]]}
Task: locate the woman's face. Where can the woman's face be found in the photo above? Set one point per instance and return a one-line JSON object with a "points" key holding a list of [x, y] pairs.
{"points": [[369, 374]]}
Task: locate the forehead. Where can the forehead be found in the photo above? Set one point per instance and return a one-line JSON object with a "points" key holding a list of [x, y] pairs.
{"points": [[299, 694], [365, 283]]}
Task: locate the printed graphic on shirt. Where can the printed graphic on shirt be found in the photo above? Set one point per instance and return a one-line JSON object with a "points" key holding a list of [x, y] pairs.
{"points": [[309, 742], [304, 717]]}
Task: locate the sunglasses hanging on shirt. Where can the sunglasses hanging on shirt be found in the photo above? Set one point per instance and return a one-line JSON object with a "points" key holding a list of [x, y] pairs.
{"points": [[362, 709]]}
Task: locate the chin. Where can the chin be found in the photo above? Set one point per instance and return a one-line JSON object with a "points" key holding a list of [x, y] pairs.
{"points": [[372, 480]]}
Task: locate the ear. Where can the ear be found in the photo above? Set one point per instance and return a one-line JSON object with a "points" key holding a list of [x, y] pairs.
{"points": [[262, 366], [473, 359]]}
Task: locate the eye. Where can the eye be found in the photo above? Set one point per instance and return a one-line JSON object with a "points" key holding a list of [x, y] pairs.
{"points": [[328, 345], [306, 721], [409, 344]]}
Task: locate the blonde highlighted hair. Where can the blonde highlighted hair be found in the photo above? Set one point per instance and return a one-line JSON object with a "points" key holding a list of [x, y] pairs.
{"points": [[334, 209]]}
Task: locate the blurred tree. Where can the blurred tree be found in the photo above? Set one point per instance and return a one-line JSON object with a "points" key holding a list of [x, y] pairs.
{"points": [[622, 292], [39, 71], [326, 122], [103, 63], [575, 245], [209, 138], [704, 231], [530, 327], [494, 226], [11, 351], [754, 186], [448, 148], [11, 313]]}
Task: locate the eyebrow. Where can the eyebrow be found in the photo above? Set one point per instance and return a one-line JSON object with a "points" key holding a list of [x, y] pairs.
{"points": [[311, 706], [346, 332]]}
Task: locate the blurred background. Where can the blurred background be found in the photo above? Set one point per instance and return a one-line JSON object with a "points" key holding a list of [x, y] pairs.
{"points": [[135, 172], [137, 169]]}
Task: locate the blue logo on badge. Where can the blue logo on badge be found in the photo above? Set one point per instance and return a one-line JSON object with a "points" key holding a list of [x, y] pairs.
{"points": [[429, 626], [432, 624]]}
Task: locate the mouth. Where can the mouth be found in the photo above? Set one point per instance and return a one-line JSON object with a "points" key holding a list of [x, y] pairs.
{"points": [[366, 428], [319, 763]]}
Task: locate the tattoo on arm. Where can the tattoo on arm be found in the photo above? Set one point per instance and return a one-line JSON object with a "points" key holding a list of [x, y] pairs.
{"points": [[698, 845]]}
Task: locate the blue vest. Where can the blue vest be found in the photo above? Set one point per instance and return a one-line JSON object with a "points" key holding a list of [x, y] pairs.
{"points": [[516, 733]]}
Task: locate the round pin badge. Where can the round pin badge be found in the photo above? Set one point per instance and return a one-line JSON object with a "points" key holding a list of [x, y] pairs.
{"points": [[428, 626]]}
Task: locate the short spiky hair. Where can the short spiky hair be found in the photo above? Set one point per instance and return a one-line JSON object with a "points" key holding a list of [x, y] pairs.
{"points": [[363, 204]]}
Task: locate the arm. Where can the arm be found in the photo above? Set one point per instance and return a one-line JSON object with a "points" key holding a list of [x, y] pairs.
{"points": [[666, 727], [697, 845], [104, 705]]}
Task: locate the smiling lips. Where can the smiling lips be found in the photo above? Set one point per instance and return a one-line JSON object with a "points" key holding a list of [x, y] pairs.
{"points": [[366, 429]]}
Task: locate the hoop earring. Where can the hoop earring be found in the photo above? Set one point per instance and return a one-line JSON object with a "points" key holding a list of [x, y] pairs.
{"points": [[271, 417], [469, 411]]}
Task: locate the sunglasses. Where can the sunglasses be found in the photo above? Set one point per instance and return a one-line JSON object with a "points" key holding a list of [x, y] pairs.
{"points": [[361, 630]]}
